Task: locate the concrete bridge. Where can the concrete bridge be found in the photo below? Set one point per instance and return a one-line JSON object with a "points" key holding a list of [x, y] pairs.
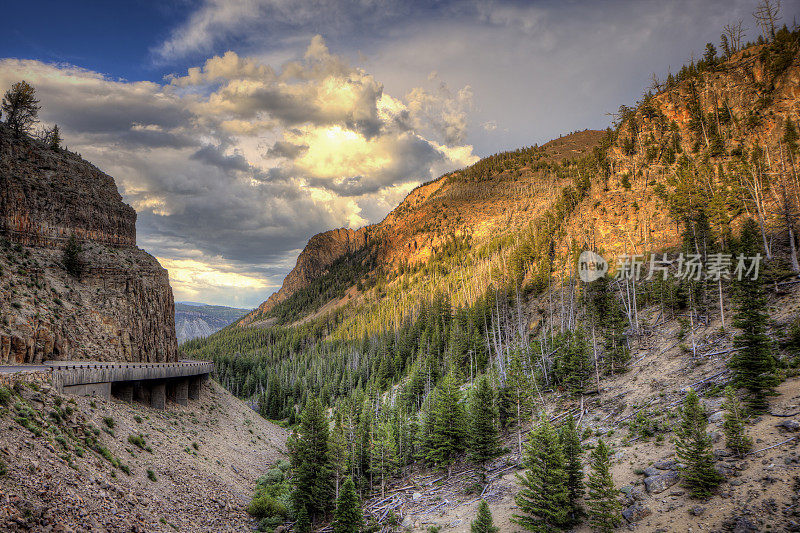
{"points": [[152, 383]]}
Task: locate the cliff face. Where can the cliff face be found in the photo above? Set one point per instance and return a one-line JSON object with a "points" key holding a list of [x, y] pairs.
{"points": [[119, 309], [320, 252]]}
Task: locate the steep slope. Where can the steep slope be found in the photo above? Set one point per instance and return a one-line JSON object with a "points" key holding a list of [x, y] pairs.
{"points": [[201, 320], [120, 307], [71, 463], [501, 193]]}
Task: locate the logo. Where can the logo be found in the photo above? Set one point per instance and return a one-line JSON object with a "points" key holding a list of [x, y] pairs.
{"points": [[591, 266]]}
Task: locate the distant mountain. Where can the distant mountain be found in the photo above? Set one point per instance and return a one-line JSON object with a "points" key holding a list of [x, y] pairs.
{"points": [[194, 319]]}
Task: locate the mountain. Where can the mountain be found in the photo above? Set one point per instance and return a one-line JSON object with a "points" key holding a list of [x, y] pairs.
{"points": [[117, 305], [194, 320], [614, 191]]}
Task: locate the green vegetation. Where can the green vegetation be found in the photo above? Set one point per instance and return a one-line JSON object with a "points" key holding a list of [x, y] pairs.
{"points": [[484, 523], [693, 446], [151, 475], [348, 517], [733, 424], [602, 497]]}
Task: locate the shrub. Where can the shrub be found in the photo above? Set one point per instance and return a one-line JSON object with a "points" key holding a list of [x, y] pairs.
{"points": [[272, 477], [138, 441], [109, 422], [3, 469], [138, 419], [5, 395], [264, 506], [283, 465], [151, 475]]}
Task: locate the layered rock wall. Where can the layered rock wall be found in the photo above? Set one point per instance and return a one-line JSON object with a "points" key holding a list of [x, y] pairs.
{"points": [[121, 306]]}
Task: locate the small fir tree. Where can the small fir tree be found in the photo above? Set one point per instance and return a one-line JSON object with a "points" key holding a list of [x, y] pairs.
{"points": [[55, 139], [348, 517], [752, 364], [21, 107], [484, 523], [544, 498], [72, 256], [570, 443], [484, 436], [603, 497], [311, 462], [303, 523], [694, 450], [449, 431], [733, 425]]}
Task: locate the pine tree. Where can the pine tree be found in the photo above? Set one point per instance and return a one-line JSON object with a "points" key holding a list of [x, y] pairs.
{"points": [[348, 517], [520, 386], [303, 523], [602, 498], [752, 364], [484, 523], [72, 256], [449, 431], [21, 107], [384, 452], [484, 436], [311, 462], [55, 139], [733, 424], [570, 443], [544, 498], [340, 460], [694, 450]]}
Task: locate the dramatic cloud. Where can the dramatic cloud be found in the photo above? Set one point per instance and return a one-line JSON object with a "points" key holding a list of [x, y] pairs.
{"points": [[234, 165]]}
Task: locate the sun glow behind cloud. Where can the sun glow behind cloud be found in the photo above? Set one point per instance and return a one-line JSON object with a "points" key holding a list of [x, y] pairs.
{"points": [[234, 165]]}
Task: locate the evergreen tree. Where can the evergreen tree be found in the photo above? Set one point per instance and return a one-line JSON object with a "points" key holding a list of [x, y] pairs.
{"points": [[544, 498], [570, 443], [752, 364], [520, 386], [694, 450], [21, 107], [449, 431], [340, 461], [484, 436], [55, 139], [602, 498], [72, 260], [384, 452], [311, 462], [484, 523], [348, 517], [303, 522], [733, 424]]}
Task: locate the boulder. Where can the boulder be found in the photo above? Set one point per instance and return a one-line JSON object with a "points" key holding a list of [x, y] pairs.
{"points": [[666, 464], [716, 417], [651, 471], [636, 512], [661, 482], [790, 425]]}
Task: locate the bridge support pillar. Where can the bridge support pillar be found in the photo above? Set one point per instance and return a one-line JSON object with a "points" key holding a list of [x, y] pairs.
{"points": [[182, 391], [123, 391], [195, 384], [158, 395]]}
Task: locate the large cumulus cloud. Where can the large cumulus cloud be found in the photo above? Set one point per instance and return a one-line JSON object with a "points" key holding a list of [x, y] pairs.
{"points": [[234, 164]]}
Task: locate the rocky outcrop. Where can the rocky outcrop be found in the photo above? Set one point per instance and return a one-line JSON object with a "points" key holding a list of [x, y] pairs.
{"points": [[320, 252], [121, 306]]}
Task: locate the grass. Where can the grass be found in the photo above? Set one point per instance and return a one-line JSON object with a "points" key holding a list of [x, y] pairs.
{"points": [[139, 442]]}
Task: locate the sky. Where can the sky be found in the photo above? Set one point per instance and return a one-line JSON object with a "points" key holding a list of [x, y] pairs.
{"points": [[238, 129]]}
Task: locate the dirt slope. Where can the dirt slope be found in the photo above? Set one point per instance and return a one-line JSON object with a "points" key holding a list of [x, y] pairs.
{"points": [[205, 459]]}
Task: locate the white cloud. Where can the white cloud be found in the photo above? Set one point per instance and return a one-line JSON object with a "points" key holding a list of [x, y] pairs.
{"points": [[234, 165]]}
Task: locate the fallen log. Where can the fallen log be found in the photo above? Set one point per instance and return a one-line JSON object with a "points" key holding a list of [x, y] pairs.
{"points": [[773, 446]]}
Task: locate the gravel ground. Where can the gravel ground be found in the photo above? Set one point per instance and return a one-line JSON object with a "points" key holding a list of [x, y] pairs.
{"points": [[204, 459]]}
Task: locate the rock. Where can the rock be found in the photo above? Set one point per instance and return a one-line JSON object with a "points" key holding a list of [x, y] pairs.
{"points": [[723, 452], [651, 471], [716, 417], [636, 512], [715, 436], [666, 464], [789, 425], [619, 455], [697, 510], [743, 525], [416, 496], [724, 470], [407, 523], [660, 483]]}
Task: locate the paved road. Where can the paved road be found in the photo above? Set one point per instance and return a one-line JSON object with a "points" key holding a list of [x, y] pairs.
{"points": [[12, 369]]}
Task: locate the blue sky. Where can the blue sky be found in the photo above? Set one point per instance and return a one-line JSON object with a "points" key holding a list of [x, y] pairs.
{"points": [[240, 128]]}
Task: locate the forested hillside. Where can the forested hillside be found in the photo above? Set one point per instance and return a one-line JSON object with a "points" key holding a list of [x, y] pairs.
{"points": [[461, 324]]}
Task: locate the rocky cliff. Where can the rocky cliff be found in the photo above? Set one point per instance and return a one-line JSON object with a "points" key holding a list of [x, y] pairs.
{"points": [[120, 307]]}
